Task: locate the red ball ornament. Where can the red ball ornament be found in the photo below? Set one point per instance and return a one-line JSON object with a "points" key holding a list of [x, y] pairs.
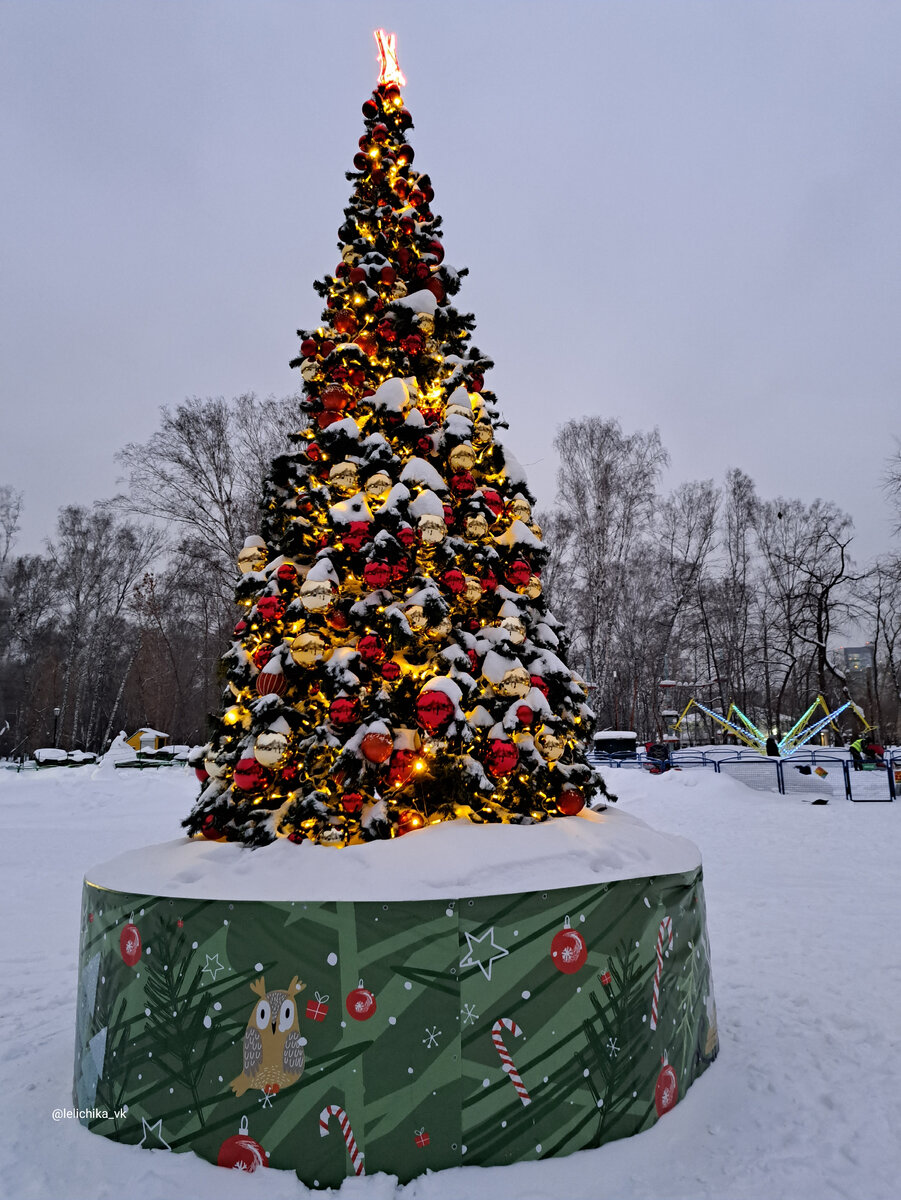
{"points": [[262, 655], [493, 500], [370, 109], [390, 670], [249, 775], [240, 1152], [434, 710], [337, 620], [436, 250], [356, 274], [240, 627], [271, 682], [209, 829], [351, 802], [519, 573], [402, 767], [424, 445], [270, 608], [537, 682], [308, 347], [524, 715], [400, 569], [286, 573], [454, 580], [412, 344], [408, 819], [568, 950], [406, 535], [502, 757], [356, 535], [489, 581], [334, 398], [377, 747], [448, 515], [473, 658], [202, 774], [343, 710], [436, 288], [130, 944], [666, 1090], [463, 483], [477, 382], [377, 574], [314, 452], [345, 321], [360, 1003], [368, 343], [371, 648], [388, 275], [326, 348], [360, 160], [570, 802]]}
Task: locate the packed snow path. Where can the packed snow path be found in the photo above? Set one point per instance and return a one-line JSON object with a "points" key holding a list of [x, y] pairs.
{"points": [[800, 1104]]}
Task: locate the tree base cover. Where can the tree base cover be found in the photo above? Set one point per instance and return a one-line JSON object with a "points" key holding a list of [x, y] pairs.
{"points": [[340, 1037]]}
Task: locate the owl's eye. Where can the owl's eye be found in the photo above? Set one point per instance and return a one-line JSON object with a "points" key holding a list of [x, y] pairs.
{"points": [[286, 1016], [263, 1014]]}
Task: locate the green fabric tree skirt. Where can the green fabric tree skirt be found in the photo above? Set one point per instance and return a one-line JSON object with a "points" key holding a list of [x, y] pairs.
{"points": [[333, 1037]]}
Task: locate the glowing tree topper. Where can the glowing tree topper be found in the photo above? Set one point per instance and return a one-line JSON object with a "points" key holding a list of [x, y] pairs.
{"points": [[395, 663]]}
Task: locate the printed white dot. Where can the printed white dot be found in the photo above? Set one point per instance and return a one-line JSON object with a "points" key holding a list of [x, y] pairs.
{"points": [[585, 1073], [207, 1022], [545, 1079], [146, 1012], [332, 959], [538, 1148], [258, 966], [485, 1082], [217, 1006], [581, 916], [225, 921], [503, 1124], [147, 951], [193, 945], [448, 912], [408, 985], [409, 1070], [392, 1020], [302, 1041], [526, 995], [600, 1104]]}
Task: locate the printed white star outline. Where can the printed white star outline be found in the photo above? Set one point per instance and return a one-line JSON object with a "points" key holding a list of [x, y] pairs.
{"points": [[213, 970], [156, 1129], [480, 960]]}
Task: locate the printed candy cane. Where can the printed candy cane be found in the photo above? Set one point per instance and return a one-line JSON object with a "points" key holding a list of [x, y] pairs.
{"points": [[665, 931], [506, 1023], [335, 1110]]}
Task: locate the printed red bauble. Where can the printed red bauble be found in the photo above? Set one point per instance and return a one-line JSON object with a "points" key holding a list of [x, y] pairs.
{"points": [[493, 500], [240, 627], [360, 161], [454, 579], [379, 132], [343, 711], [377, 574], [463, 483], [400, 569], [360, 1003], [289, 773], [434, 710], [325, 419], [524, 715], [209, 829], [271, 682], [262, 655], [519, 573], [408, 819], [502, 757], [202, 774], [377, 747], [390, 670], [568, 950], [130, 944], [477, 382], [387, 332], [406, 535], [402, 767], [537, 682], [334, 398], [424, 445], [351, 802], [286, 573], [421, 271], [270, 608], [356, 535], [666, 1090], [570, 802], [371, 648], [249, 775], [240, 1152]]}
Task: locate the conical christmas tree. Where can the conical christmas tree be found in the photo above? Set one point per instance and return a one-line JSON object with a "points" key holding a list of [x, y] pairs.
{"points": [[396, 663]]}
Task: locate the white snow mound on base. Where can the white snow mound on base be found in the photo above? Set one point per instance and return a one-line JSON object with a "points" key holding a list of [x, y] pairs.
{"points": [[454, 858]]}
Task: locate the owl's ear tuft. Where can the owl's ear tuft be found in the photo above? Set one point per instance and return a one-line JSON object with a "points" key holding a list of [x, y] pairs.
{"points": [[259, 986], [295, 986]]}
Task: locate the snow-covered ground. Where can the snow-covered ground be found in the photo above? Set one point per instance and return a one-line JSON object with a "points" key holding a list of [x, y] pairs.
{"points": [[802, 1102]]}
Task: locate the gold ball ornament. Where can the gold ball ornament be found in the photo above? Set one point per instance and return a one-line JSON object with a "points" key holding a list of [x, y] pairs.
{"points": [[515, 683], [483, 433], [416, 617], [515, 628], [344, 477], [459, 410], [475, 527], [309, 369], [462, 457], [520, 509], [472, 592], [270, 748], [536, 529], [307, 649], [425, 322], [377, 485], [252, 558], [215, 769], [548, 744], [442, 629], [432, 529], [533, 588], [317, 595], [399, 290], [331, 836], [349, 254]]}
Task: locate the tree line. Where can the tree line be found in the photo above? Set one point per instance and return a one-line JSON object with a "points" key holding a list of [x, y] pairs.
{"points": [[121, 621]]}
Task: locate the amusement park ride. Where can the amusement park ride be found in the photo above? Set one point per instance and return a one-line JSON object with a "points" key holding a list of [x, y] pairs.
{"points": [[799, 734]]}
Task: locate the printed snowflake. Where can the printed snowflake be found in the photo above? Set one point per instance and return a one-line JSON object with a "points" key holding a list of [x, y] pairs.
{"points": [[612, 1047], [431, 1037], [470, 1016]]}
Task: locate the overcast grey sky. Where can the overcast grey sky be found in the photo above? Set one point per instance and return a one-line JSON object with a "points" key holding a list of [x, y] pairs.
{"points": [[681, 214]]}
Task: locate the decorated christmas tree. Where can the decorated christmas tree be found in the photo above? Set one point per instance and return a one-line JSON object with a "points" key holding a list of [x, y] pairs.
{"points": [[395, 663]]}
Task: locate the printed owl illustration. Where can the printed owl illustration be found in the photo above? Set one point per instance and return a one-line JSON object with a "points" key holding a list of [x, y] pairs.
{"points": [[273, 1054]]}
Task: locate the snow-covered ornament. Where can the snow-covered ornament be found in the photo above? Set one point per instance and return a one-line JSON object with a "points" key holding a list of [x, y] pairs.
{"points": [[344, 477], [252, 555], [513, 683], [377, 747], [216, 769], [502, 757], [130, 944], [240, 1152], [493, 500], [533, 588], [666, 1090], [307, 649], [334, 398], [249, 775], [271, 680], [377, 574], [360, 1003], [270, 608], [317, 595], [472, 590], [371, 648], [377, 485], [516, 628], [483, 433], [436, 704], [475, 527], [270, 748], [547, 744], [343, 710], [519, 509], [462, 457], [441, 630], [568, 950], [432, 529]]}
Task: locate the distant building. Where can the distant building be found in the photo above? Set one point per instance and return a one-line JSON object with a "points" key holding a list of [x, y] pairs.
{"points": [[857, 658], [147, 739]]}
